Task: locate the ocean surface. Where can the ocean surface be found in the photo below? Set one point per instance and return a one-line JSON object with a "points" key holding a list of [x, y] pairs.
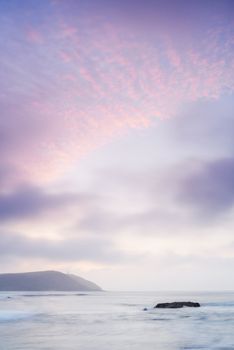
{"points": [[115, 321]]}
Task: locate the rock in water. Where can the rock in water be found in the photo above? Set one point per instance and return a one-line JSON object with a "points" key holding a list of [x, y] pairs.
{"points": [[177, 305]]}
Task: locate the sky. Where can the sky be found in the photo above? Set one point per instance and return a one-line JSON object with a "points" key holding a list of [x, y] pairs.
{"points": [[116, 141]]}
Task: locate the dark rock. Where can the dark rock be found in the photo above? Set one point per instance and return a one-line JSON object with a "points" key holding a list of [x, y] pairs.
{"points": [[177, 305], [145, 309]]}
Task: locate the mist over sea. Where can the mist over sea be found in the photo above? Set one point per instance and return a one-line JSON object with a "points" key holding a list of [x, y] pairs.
{"points": [[115, 321]]}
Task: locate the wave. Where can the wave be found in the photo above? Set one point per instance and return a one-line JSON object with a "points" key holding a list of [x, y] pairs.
{"points": [[5, 297], [12, 315]]}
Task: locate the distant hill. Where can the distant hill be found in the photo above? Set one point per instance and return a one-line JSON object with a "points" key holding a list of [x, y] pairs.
{"points": [[45, 281]]}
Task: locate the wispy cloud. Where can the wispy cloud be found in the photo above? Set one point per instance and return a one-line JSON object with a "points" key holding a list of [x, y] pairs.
{"points": [[85, 82], [70, 249]]}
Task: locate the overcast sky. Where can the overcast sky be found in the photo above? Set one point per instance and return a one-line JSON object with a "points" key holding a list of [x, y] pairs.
{"points": [[116, 141]]}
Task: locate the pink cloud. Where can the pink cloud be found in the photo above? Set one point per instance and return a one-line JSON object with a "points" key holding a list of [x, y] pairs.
{"points": [[68, 32], [65, 57], [34, 36], [112, 81]]}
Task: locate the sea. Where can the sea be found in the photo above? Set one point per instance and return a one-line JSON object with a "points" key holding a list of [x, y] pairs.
{"points": [[115, 321]]}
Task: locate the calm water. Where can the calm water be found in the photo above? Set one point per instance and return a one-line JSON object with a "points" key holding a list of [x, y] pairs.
{"points": [[115, 321]]}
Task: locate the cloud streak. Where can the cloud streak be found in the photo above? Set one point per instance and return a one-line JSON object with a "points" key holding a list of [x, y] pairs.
{"points": [[67, 250], [27, 202]]}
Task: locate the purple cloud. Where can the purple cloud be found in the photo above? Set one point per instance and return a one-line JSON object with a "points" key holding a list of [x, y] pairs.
{"points": [[27, 202], [209, 190]]}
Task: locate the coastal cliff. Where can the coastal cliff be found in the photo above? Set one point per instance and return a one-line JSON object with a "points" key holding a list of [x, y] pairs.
{"points": [[45, 281]]}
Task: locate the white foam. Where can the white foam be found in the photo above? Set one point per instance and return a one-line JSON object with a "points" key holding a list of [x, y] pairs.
{"points": [[12, 315], [4, 296]]}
